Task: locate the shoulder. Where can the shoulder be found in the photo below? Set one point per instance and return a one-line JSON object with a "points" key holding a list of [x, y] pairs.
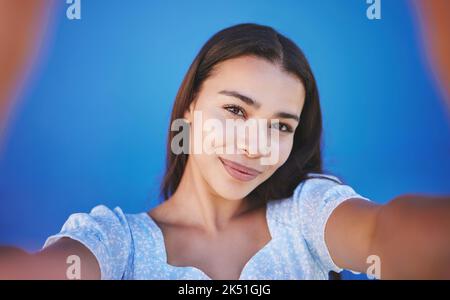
{"points": [[315, 197], [101, 220], [322, 189], [308, 210], [100, 215], [106, 232]]}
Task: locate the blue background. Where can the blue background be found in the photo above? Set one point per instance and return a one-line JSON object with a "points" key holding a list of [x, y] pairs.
{"points": [[91, 123]]}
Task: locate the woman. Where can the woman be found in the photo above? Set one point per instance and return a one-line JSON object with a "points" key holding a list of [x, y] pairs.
{"points": [[232, 215]]}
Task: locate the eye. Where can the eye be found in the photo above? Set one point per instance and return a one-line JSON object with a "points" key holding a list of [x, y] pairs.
{"points": [[283, 127], [235, 110]]}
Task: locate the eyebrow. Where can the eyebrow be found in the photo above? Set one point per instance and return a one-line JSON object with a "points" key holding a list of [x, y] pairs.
{"points": [[285, 115], [249, 101], [245, 99]]}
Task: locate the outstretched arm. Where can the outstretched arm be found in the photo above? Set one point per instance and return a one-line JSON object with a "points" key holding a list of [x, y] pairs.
{"points": [[410, 235], [50, 263]]}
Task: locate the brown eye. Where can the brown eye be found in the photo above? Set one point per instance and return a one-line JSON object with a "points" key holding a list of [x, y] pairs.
{"points": [[235, 110], [282, 127]]}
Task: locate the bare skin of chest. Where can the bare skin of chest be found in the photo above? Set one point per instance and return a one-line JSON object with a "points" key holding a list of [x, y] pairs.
{"points": [[222, 255]]}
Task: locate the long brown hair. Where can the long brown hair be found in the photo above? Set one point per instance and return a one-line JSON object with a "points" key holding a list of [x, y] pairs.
{"points": [[263, 42]]}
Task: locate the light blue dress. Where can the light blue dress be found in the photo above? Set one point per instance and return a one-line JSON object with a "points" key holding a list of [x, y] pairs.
{"points": [[131, 246]]}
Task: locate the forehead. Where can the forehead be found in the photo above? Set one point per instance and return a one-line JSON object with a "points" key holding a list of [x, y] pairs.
{"points": [[259, 79]]}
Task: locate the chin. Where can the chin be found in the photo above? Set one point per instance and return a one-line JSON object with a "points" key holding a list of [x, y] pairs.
{"points": [[232, 191]]}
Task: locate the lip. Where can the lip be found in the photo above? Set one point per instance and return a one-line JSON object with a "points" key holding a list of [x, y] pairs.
{"points": [[239, 171]]}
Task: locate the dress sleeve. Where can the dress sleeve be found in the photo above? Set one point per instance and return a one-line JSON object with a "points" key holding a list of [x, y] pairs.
{"points": [[105, 233], [315, 200]]}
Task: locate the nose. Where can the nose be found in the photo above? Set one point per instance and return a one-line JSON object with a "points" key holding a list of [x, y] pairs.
{"points": [[249, 144], [250, 154]]}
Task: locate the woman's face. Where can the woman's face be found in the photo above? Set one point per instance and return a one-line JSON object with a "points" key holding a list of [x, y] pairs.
{"points": [[253, 91]]}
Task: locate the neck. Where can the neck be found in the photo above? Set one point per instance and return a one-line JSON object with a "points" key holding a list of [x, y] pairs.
{"points": [[195, 204]]}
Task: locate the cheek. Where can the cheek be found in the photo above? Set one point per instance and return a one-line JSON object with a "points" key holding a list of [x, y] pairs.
{"points": [[207, 129], [284, 148]]}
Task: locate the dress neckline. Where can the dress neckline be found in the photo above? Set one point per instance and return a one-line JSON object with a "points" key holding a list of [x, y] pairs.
{"points": [[162, 245]]}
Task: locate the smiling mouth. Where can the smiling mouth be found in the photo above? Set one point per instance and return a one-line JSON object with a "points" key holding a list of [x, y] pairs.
{"points": [[239, 171]]}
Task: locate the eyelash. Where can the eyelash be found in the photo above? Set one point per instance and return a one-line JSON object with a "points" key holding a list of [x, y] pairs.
{"points": [[232, 107], [288, 128]]}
